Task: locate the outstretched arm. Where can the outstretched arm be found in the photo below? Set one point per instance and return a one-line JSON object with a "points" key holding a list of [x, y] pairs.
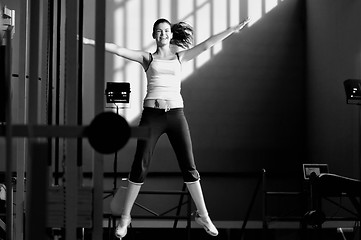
{"points": [[191, 53], [133, 55]]}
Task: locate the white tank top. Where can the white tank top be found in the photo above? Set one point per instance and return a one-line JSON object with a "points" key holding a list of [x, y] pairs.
{"points": [[164, 80]]}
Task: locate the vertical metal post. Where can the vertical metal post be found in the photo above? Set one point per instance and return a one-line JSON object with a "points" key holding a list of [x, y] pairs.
{"points": [[80, 89], [189, 215], [44, 49], [9, 140], [80, 81], [180, 202], [32, 104], [57, 89], [50, 66], [115, 163], [264, 205], [359, 141], [71, 68], [99, 107], [38, 183], [21, 142], [259, 182], [33, 62]]}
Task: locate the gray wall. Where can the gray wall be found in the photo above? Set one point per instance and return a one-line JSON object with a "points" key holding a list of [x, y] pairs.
{"points": [[333, 55]]}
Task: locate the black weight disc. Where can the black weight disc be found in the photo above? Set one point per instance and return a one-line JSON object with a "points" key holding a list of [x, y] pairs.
{"points": [[108, 132]]}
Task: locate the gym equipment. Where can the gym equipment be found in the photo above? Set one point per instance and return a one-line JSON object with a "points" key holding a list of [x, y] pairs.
{"points": [[31, 130]]}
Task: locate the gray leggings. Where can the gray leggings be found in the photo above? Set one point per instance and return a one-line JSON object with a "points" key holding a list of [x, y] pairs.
{"points": [[174, 124]]}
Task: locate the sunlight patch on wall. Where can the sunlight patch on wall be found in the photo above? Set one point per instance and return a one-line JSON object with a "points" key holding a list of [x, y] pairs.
{"points": [[270, 4], [133, 17], [202, 32], [185, 13], [150, 12], [254, 11], [219, 22], [235, 14], [119, 39], [185, 9], [164, 9], [201, 2]]}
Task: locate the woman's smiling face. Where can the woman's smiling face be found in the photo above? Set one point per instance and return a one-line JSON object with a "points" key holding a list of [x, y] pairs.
{"points": [[162, 34]]}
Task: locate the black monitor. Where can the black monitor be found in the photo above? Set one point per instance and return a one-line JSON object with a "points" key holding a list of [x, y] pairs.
{"points": [[117, 92], [353, 91]]}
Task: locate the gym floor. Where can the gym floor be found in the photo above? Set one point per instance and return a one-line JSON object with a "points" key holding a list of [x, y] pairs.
{"points": [[233, 231]]}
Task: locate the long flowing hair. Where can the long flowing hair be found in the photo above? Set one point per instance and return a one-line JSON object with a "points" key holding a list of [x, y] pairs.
{"points": [[182, 33]]}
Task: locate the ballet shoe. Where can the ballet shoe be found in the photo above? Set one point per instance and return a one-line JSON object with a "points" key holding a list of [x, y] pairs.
{"points": [[206, 223], [122, 227]]}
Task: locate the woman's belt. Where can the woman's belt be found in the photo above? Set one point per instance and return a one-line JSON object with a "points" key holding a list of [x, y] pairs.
{"points": [[162, 104]]}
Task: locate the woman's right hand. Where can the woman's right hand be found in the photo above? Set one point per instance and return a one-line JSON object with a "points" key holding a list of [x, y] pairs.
{"points": [[88, 41]]}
